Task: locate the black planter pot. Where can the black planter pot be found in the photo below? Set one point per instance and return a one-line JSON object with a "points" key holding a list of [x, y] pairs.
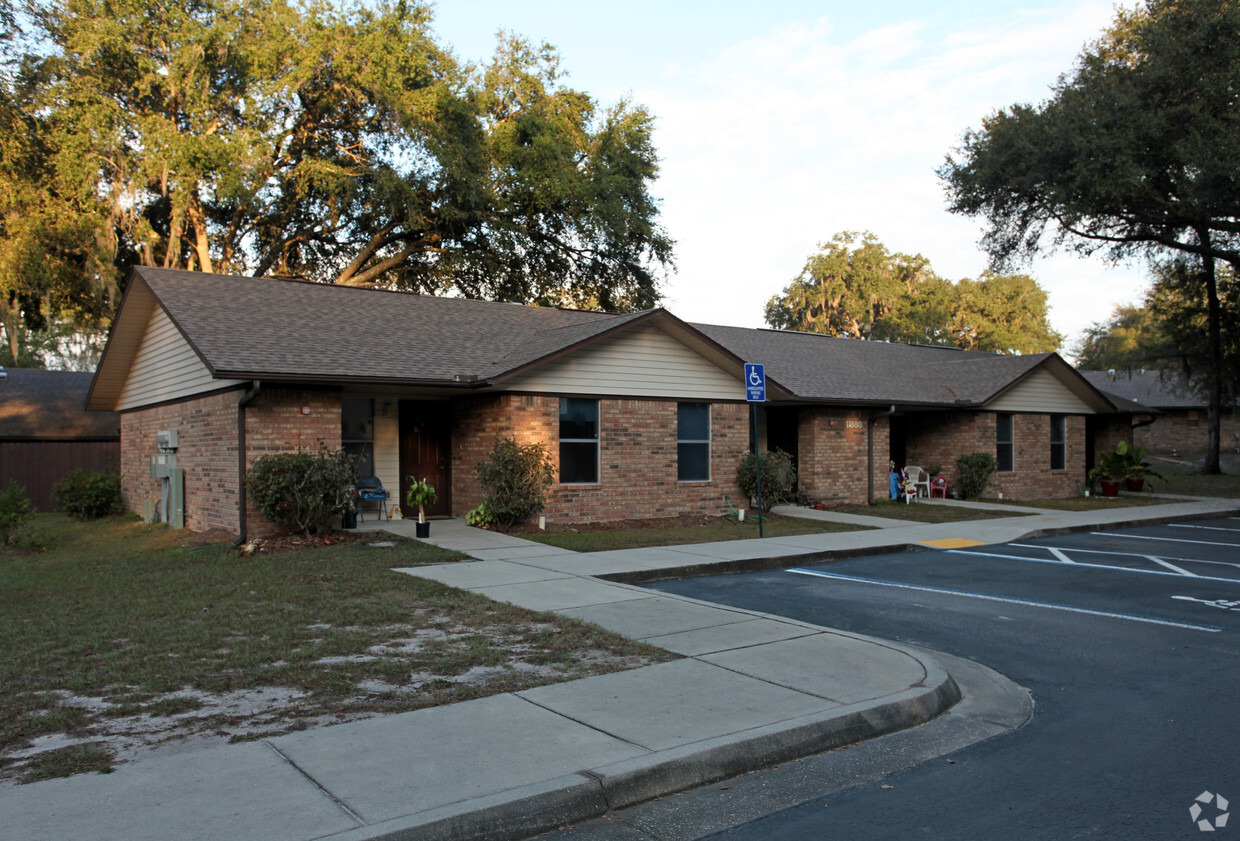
{"points": [[422, 529]]}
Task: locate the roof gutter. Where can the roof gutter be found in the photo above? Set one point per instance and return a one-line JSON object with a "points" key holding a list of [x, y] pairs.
{"points": [[245, 400], [869, 446]]}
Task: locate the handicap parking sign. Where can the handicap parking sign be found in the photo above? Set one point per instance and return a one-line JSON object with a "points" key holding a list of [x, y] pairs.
{"points": [[755, 382]]}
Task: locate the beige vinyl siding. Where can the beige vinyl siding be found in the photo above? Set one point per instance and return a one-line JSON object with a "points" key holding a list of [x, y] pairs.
{"points": [[642, 363], [165, 367], [387, 450], [1042, 392]]}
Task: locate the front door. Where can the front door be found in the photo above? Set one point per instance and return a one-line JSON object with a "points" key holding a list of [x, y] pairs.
{"points": [[425, 452]]}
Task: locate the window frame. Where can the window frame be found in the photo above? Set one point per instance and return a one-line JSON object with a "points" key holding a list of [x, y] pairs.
{"points": [[1009, 443], [693, 442], [1059, 448], [360, 444], [596, 440]]}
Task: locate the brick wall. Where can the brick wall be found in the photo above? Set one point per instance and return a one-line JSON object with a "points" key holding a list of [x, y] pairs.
{"points": [[1179, 431], [832, 455], [283, 420], [637, 464], [207, 448], [939, 439]]}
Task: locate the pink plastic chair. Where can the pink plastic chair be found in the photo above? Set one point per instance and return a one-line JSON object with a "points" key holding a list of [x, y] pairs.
{"points": [[938, 487]]}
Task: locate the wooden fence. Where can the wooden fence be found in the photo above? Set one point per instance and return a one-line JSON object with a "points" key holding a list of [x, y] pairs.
{"points": [[40, 464]]}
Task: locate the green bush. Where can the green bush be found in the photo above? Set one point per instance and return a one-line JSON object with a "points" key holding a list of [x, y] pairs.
{"points": [[89, 496], [303, 490], [516, 479], [778, 477], [15, 511], [480, 517], [973, 473]]}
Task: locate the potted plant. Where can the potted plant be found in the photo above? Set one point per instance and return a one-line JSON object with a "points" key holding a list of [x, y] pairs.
{"points": [[1108, 473], [1136, 469], [421, 494]]}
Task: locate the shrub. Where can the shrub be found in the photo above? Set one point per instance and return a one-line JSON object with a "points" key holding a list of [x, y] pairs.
{"points": [[974, 471], [89, 496], [480, 517], [15, 511], [778, 477], [516, 479], [303, 490]]}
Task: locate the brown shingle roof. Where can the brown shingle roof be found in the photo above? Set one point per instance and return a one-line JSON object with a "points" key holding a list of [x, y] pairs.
{"points": [[1156, 389], [827, 368], [37, 405], [280, 329]]}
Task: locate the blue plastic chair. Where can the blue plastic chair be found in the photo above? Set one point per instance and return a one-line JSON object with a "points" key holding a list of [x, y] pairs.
{"points": [[370, 489]]}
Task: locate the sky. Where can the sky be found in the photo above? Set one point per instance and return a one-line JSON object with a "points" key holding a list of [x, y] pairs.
{"points": [[780, 123]]}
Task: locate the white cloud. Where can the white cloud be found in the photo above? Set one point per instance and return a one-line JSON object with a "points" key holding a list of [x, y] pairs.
{"points": [[774, 143]]}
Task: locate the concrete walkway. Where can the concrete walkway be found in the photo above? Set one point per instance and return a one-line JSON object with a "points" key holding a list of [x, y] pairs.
{"points": [[749, 691]]}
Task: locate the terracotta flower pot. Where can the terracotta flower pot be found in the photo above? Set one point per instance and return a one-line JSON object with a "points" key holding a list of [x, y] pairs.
{"points": [[1109, 488]]}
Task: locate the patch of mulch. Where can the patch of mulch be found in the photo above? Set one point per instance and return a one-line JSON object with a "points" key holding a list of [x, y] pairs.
{"points": [[290, 542]]}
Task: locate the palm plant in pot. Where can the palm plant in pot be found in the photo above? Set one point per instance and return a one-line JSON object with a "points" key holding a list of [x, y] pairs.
{"points": [[1110, 470], [421, 494], [1136, 469]]}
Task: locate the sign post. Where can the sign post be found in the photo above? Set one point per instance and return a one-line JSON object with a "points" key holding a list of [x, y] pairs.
{"points": [[755, 393]]}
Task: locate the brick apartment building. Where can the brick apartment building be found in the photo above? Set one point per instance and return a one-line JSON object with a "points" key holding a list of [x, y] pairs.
{"points": [[644, 414]]}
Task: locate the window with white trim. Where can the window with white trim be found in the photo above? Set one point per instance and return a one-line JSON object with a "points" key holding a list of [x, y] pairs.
{"points": [[578, 441], [693, 442], [1059, 442], [1005, 443]]}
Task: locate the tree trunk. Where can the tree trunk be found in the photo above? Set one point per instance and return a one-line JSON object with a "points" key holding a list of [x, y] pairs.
{"points": [[1214, 357]]}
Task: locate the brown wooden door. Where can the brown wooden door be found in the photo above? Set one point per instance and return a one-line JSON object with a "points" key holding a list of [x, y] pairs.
{"points": [[425, 452]]}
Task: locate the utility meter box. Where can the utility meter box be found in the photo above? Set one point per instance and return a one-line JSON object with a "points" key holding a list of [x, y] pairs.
{"points": [[166, 439], [162, 465]]}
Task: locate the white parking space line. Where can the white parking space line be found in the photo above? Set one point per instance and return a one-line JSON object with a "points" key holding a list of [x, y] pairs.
{"points": [[1060, 555], [1079, 565], [1152, 620], [1167, 539], [1169, 566], [1205, 528]]}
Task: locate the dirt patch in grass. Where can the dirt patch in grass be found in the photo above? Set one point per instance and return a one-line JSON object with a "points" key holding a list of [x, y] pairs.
{"points": [[670, 531], [121, 639]]}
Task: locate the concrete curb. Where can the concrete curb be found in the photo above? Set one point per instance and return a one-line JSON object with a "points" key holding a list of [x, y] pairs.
{"points": [[646, 576], [522, 812]]}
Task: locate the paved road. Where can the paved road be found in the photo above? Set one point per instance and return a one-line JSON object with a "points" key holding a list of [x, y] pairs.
{"points": [[1129, 641]]}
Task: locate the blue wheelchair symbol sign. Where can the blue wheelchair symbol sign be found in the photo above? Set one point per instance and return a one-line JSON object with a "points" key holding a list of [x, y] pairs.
{"points": [[755, 382]]}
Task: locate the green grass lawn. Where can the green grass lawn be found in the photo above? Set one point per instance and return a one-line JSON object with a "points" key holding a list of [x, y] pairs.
{"points": [[115, 623], [922, 512], [1183, 476], [1086, 503], [676, 531]]}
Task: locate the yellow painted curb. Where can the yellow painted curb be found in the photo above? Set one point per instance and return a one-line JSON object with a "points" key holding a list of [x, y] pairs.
{"points": [[952, 543]]}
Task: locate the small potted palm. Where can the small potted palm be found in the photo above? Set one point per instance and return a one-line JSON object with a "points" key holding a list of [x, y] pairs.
{"points": [[421, 494]]}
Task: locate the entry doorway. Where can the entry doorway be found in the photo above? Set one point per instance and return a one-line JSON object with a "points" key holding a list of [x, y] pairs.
{"points": [[426, 452]]}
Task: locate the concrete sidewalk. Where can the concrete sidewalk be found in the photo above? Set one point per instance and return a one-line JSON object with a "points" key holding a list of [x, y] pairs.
{"points": [[750, 690]]}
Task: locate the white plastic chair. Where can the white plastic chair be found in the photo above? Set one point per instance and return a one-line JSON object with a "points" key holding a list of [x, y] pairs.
{"points": [[920, 480]]}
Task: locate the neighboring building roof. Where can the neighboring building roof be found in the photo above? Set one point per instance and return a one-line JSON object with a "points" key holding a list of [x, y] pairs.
{"points": [[296, 331], [38, 405], [830, 369], [1146, 388]]}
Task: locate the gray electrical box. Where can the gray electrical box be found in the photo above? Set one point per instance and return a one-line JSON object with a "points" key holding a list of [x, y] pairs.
{"points": [[162, 465], [166, 439]]}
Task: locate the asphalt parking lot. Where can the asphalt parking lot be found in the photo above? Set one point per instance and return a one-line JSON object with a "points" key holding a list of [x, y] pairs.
{"points": [[1127, 639]]}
